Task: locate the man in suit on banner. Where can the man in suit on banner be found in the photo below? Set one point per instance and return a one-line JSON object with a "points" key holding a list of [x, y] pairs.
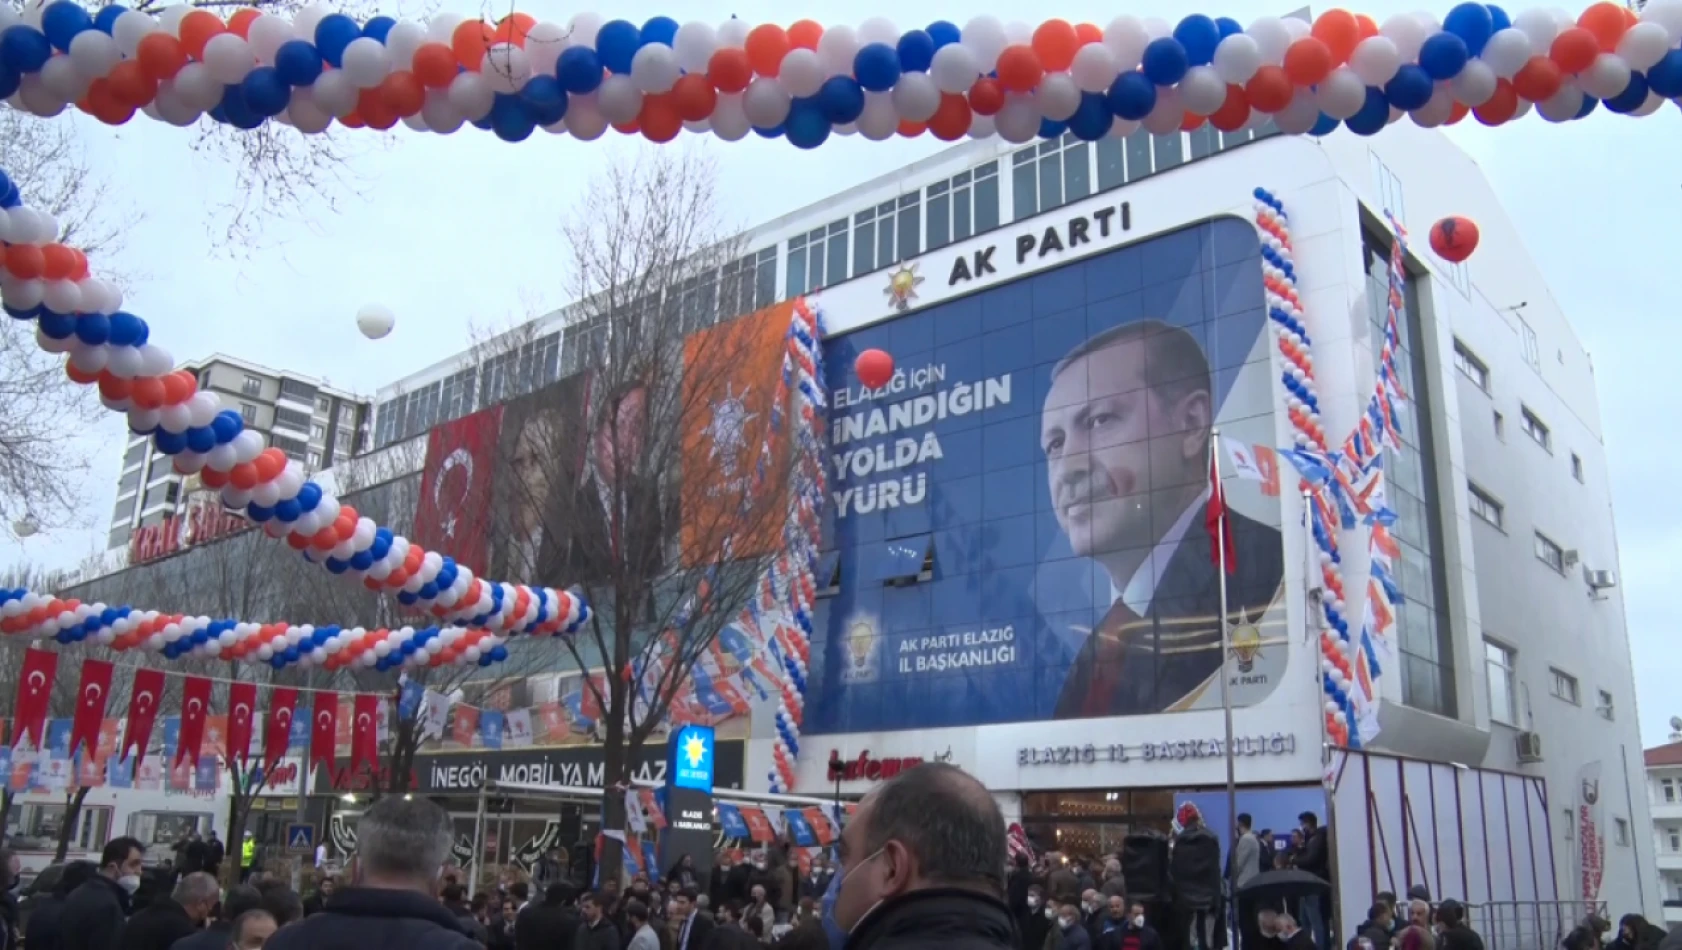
{"points": [[1126, 433]]}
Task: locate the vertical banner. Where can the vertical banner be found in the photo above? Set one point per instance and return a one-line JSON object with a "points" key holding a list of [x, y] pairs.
{"points": [[195, 707], [434, 715], [242, 700], [364, 737], [455, 498], [689, 799], [90, 704], [1591, 841], [324, 733], [143, 699], [35, 690], [278, 734]]}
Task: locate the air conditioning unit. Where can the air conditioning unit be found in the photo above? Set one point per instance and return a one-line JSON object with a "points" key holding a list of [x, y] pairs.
{"points": [[1600, 580], [1529, 747]]}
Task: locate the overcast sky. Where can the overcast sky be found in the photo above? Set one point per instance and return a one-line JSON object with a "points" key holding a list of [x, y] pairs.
{"points": [[448, 231]]}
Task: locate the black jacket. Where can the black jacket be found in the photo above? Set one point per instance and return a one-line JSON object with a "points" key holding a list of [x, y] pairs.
{"points": [[360, 918], [701, 926], [730, 937], [42, 931], [214, 937], [1379, 936], [602, 936], [936, 919], [738, 881], [470, 924], [546, 927], [1314, 858], [157, 927], [93, 916], [1459, 937]]}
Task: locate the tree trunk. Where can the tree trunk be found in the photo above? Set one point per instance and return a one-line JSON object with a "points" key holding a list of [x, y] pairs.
{"points": [[614, 775], [239, 809], [72, 811]]}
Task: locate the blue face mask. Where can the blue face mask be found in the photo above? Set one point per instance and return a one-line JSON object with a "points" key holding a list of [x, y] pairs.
{"points": [[832, 930]]}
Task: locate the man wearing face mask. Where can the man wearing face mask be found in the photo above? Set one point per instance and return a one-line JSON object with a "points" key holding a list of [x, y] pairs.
{"points": [[95, 912], [1034, 923], [922, 866], [1131, 932], [1072, 929], [174, 917]]}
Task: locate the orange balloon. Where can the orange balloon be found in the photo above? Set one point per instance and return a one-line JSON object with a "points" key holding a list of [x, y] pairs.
{"points": [[951, 121], [147, 392], [403, 93], [161, 56], [79, 376], [766, 46], [911, 129], [353, 121], [729, 70], [659, 119], [198, 28], [804, 34], [986, 97], [435, 65], [1340, 32], [1270, 90], [514, 27], [131, 84], [1500, 107], [469, 42], [1089, 33], [270, 462], [694, 97], [1606, 21], [1368, 26], [1192, 122], [1234, 112], [628, 128], [1056, 41], [57, 262], [113, 387], [1538, 80], [1020, 69], [179, 387], [242, 19], [80, 271], [1574, 49], [25, 261], [243, 476], [1308, 61], [374, 109]]}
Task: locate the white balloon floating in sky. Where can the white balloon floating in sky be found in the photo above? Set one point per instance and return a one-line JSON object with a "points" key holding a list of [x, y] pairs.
{"points": [[375, 321]]}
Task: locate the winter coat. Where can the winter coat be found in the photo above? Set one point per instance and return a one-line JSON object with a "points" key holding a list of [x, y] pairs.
{"points": [[363, 918], [936, 919], [157, 927], [93, 916]]}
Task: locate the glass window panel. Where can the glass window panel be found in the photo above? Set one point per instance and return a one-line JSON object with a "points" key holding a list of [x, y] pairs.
{"points": [[1026, 187], [864, 239], [1051, 182], [987, 209], [1112, 165], [765, 284], [1205, 140], [885, 241], [1170, 150], [796, 269], [837, 265], [1139, 155], [909, 237], [940, 220], [1077, 172], [1234, 139]]}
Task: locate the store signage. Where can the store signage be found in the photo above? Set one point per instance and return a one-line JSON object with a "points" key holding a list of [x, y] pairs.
{"points": [[691, 755], [874, 770], [447, 772], [691, 761], [204, 521], [1279, 743], [1039, 241]]}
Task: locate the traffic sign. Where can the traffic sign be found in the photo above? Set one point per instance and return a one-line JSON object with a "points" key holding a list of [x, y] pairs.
{"points": [[300, 838]]}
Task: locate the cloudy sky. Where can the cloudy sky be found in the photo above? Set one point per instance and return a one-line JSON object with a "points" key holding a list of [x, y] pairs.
{"points": [[462, 230]]}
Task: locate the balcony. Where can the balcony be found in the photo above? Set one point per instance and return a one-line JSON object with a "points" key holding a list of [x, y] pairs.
{"points": [[1670, 860], [1672, 912], [1666, 811]]}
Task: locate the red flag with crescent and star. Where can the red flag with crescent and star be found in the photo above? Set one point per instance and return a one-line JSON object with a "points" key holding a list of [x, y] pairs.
{"points": [[195, 707], [365, 734], [242, 699], [455, 497], [142, 712], [282, 704], [90, 704], [324, 729], [35, 691]]}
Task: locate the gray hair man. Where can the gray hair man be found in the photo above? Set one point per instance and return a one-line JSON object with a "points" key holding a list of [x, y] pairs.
{"points": [[251, 930], [923, 862], [167, 919], [401, 847]]}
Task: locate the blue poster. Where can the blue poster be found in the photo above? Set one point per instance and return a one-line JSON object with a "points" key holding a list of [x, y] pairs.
{"points": [[298, 738], [490, 728], [1018, 521], [731, 821], [800, 829]]}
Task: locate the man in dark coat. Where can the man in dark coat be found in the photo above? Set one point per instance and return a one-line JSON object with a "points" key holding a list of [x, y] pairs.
{"points": [[693, 927], [1377, 928], [324, 889], [95, 912], [217, 936], [172, 917], [922, 866], [596, 932], [551, 924], [46, 917], [401, 848]]}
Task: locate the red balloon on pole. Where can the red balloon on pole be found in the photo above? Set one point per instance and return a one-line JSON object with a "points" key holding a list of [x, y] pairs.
{"points": [[874, 368], [1454, 238]]}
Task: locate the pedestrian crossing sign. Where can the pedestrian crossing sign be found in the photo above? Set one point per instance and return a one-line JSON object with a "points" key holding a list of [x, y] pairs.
{"points": [[300, 838]]}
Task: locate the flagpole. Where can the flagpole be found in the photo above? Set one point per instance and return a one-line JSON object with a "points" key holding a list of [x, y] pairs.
{"points": [[1226, 644], [1313, 596]]}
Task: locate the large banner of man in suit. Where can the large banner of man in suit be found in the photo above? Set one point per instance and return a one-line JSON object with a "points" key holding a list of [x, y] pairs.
{"points": [[1017, 525]]}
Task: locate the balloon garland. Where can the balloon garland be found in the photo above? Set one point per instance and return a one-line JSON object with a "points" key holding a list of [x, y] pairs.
{"points": [[805, 81]]}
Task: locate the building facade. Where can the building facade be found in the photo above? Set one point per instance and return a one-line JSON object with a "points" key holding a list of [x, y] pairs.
{"points": [[315, 424], [1664, 798]]}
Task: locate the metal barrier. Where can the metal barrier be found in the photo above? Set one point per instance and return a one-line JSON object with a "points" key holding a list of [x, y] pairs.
{"points": [[1529, 925]]}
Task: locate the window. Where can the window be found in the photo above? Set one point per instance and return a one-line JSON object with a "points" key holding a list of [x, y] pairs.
{"points": [[312, 459], [130, 482], [119, 536], [291, 419], [164, 494], [248, 412], [1576, 466], [817, 259], [251, 386], [887, 233], [1621, 831], [1569, 826], [323, 405], [1549, 552], [964, 205], [318, 432], [1536, 428], [300, 391], [37, 827], [135, 455], [1470, 366], [1500, 426], [1485, 506], [1388, 186], [1498, 668], [748, 283], [1050, 175], [1603, 706], [1675, 839], [1564, 686], [293, 448], [1668, 788], [1532, 351]]}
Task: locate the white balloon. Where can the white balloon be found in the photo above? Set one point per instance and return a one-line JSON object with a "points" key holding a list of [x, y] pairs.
{"points": [[981, 126], [124, 362], [1127, 39], [93, 54], [1653, 104], [582, 29], [142, 420], [1299, 115], [985, 37], [335, 94], [1057, 97], [198, 89], [229, 57], [585, 121], [801, 73], [1475, 84], [733, 33], [506, 67], [173, 418], [471, 95], [1237, 58], [202, 407], [1666, 13], [765, 103], [654, 68], [1643, 45], [1539, 26], [1094, 67], [728, 120], [38, 99], [1272, 39], [1407, 32], [1438, 110], [176, 110], [1202, 90], [247, 445], [1298, 28], [267, 34], [155, 360], [1018, 33], [1168, 114], [131, 27], [62, 296], [61, 77], [1375, 60], [440, 113], [837, 48], [619, 100], [1342, 94], [916, 97], [407, 36], [187, 461], [878, 29], [1508, 50], [694, 44], [375, 321], [880, 119], [91, 359], [46, 228], [1607, 77], [306, 116], [440, 28], [366, 62], [955, 68], [170, 17], [306, 20]]}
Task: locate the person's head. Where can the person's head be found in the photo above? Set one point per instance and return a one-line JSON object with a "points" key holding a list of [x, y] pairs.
{"points": [[252, 929], [1417, 938], [1379, 913], [610, 890], [401, 844], [480, 903], [559, 893], [1308, 821], [1450, 914], [1630, 927], [121, 861], [1287, 925], [1296, 837], [1419, 892], [591, 904], [1244, 823], [1136, 914], [1419, 913], [239, 900], [1117, 907], [757, 893], [452, 894], [281, 901], [730, 912], [197, 894], [636, 912], [1126, 418], [520, 891], [1388, 899], [12, 865], [1036, 896], [1112, 869], [684, 902], [509, 910], [721, 860], [1089, 900], [213, 834], [327, 885], [807, 908], [930, 826], [755, 925], [686, 861], [1068, 915], [74, 875], [1267, 923]]}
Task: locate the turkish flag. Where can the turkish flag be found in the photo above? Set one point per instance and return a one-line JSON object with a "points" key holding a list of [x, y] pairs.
{"points": [[35, 691], [143, 699], [759, 825], [365, 736], [464, 725], [455, 498], [282, 703], [242, 699], [90, 704], [324, 733], [1218, 522], [195, 707]]}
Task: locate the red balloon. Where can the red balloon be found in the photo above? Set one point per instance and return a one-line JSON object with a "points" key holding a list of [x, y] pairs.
{"points": [[874, 368], [1454, 238]]}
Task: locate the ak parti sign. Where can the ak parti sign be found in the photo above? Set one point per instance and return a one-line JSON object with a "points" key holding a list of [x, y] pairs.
{"points": [[201, 523]]}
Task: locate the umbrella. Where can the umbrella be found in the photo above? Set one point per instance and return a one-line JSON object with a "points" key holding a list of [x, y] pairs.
{"points": [[1283, 884]]}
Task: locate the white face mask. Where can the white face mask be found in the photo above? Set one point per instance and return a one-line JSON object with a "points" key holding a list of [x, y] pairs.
{"points": [[1033, 903], [1139, 921], [129, 882], [1051, 913]]}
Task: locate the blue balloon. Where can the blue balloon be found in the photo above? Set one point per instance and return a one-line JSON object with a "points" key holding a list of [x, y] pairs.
{"points": [[201, 438], [1052, 129], [545, 100], [1131, 96], [617, 43], [483, 122], [362, 560], [1624, 102], [17, 314], [1228, 26], [265, 91], [218, 114], [125, 329], [10, 81], [1665, 78], [298, 62], [1324, 125], [258, 513], [944, 33], [877, 67], [1165, 61], [106, 19], [1472, 23], [62, 20], [288, 511], [1410, 88], [769, 132], [239, 112], [227, 424], [485, 660], [378, 28], [94, 329], [428, 591], [842, 99], [335, 566], [169, 443], [1092, 119], [579, 69], [309, 496], [24, 48], [1498, 18], [806, 125], [1443, 55], [1198, 35], [1374, 114], [333, 34], [916, 51], [510, 120], [660, 29], [57, 326], [499, 653]]}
